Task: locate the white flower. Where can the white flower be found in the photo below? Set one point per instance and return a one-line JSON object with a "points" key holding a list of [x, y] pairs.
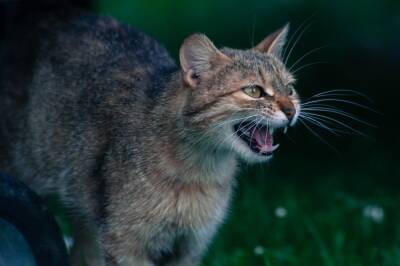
{"points": [[374, 212], [280, 212], [259, 250]]}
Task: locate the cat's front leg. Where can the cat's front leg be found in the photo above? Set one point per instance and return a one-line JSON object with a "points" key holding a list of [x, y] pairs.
{"points": [[191, 250], [128, 261], [119, 251]]}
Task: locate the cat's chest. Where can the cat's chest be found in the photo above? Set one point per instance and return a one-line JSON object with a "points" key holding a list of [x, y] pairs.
{"points": [[188, 210], [195, 197], [198, 206], [201, 203]]}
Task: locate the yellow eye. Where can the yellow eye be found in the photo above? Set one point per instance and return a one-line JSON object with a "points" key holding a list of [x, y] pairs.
{"points": [[253, 91], [291, 90]]}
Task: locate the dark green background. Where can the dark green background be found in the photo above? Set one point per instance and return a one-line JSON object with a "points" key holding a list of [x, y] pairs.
{"points": [[325, 193]]}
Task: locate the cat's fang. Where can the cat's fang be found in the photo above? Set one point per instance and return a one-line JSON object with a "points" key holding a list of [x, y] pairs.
{"points": [[276, 146], [285, 130], [247, 133], [259, 139], [268, 149]]}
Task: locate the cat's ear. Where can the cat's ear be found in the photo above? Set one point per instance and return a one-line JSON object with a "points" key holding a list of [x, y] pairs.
{"points": [[198, 56], [273, 43]]}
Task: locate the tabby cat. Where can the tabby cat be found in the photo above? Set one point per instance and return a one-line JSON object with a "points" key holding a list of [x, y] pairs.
{"points": [[141, 150]]}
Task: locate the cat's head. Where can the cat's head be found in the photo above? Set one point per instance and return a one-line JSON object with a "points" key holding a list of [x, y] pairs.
{"points": [[239, 98]]}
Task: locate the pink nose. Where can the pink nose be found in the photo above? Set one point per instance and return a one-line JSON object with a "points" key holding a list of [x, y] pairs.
{"points": [[286, 106]]}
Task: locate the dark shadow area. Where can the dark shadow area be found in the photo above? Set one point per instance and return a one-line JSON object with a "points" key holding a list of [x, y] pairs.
{"points": [[28, 232]]}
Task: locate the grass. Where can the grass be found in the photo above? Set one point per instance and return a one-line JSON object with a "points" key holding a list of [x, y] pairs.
{"points": [[331, 219]]}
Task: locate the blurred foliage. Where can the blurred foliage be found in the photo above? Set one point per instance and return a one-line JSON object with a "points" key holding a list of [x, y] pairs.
{"points": [[236, 23]]}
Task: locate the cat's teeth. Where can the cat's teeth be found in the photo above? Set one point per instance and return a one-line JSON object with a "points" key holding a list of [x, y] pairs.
{"points": [[285, 130], [274, 147]]}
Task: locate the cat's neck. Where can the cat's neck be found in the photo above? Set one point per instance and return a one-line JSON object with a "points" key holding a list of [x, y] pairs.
{"points": [[183, 147]]}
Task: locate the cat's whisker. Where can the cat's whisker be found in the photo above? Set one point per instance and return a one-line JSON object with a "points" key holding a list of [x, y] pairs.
{"points": [[332, 125], [289, 42], [299, 28], [305, 55], [253, 30], [231, 120], [290, 138], [307, 104], [268, 129], [235, 119], [240, 127], [297, 40], [320, 105], [339, 112], [320, 124], [243, 119], [213, 128], [248, 128], [252, 133], [343, 92], [339, 123], [307, 65], [317, 135], [347, 95]]}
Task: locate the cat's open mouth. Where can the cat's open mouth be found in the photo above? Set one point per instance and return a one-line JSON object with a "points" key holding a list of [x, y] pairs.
{"points": [[260, 138]]}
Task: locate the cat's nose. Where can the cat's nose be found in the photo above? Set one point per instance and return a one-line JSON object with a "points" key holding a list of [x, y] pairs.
{"points": [[286, 106]]}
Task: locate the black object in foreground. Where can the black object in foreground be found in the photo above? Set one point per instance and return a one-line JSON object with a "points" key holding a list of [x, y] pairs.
{"points": [[29, 235]]}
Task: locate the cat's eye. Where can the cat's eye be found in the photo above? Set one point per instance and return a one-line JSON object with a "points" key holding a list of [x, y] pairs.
{"points": [[291, 90], [253, 91]]}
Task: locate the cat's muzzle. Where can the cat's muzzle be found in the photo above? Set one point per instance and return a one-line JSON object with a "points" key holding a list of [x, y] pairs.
{"points": [[259, 138]]}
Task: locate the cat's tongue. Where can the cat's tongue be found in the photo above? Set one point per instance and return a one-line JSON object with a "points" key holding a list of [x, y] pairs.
{"points": [[264, 140]]}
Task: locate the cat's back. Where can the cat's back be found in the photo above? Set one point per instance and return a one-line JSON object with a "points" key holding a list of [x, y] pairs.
{"points": [[93, 54], [83, 38], [76, 45], [68, 79]]}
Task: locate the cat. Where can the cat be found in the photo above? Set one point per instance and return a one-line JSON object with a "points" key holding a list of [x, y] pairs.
{"points": [[142, 150]]}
